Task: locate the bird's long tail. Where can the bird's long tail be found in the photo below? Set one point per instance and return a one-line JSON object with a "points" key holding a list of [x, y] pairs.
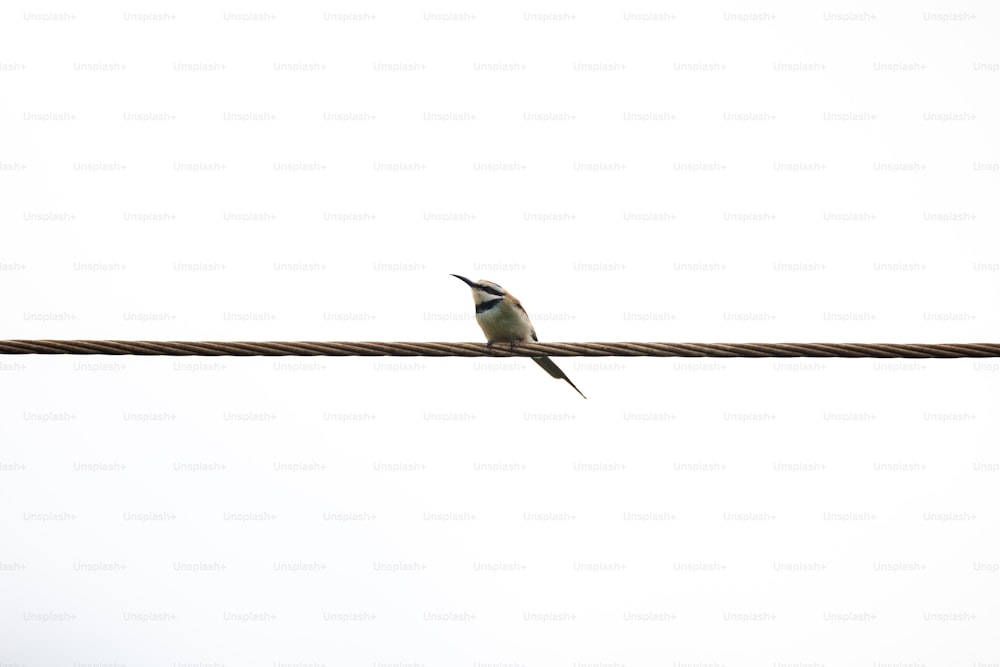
{"points": [[553, 370]]}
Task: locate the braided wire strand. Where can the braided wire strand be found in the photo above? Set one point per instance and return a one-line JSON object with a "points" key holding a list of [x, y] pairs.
{"points": [[175, 348]]}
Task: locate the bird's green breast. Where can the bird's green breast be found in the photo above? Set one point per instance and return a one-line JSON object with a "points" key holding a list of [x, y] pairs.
{"points": [[504, 324]]}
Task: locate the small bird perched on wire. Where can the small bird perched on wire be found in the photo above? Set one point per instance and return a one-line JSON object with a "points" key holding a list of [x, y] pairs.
{"points": [[503, 319]]}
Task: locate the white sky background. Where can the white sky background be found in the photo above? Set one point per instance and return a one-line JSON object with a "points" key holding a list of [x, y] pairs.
{"points": [[803, 172]]}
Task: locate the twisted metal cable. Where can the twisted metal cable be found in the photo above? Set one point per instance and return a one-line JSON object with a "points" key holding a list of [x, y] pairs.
{"points": [[176, 348]]}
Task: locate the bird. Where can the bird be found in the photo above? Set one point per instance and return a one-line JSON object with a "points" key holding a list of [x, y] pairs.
{"points": [[503, 319]]}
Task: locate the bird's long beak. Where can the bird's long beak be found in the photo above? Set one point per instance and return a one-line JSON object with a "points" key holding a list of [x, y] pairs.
{"points": [[464, 280]]}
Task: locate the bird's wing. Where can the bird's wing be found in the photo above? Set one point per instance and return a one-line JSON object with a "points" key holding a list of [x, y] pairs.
{"points": [[534, 336]]}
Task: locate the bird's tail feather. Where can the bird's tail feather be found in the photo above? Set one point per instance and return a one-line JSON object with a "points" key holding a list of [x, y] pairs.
{"points": [[553, 370]]}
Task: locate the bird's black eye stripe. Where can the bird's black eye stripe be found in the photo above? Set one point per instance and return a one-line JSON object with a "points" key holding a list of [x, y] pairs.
{"points": [[490, 290]]}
